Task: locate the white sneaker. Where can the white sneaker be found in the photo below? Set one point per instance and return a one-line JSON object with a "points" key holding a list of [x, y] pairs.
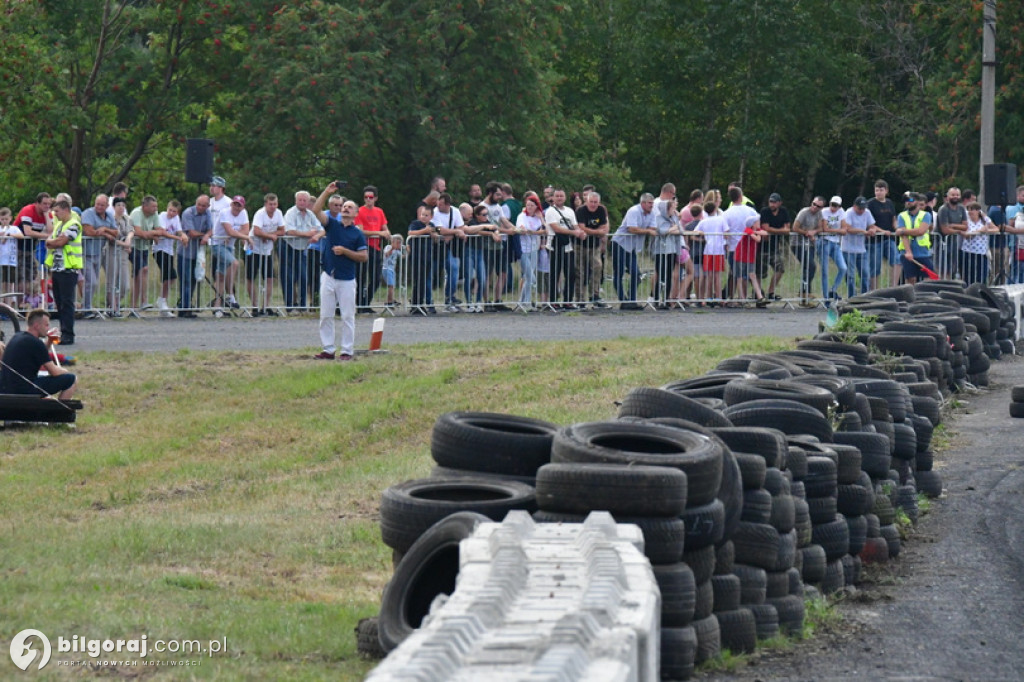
{"points": [[452, 308]]}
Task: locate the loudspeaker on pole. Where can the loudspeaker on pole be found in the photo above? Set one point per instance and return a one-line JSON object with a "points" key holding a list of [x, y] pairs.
{"points": [[198, 160], [1000, 184]]}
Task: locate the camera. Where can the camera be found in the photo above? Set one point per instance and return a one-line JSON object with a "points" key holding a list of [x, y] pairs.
{"points": [[341, 184]]}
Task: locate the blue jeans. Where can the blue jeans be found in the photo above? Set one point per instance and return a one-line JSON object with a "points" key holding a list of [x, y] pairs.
{"points": [[294, 263], [186, 280], [622, 259], [451, 283], [474, 262], [528, 264], [827, 250], [857, 263]]}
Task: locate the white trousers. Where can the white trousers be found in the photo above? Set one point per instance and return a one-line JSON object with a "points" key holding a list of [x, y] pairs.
{"points": [[335, 294]]}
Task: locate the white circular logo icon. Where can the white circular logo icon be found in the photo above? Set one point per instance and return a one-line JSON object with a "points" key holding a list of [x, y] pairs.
{"points": [[22, 652]]}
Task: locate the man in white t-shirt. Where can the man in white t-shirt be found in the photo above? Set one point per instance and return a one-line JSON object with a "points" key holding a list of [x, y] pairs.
{"points": [[858, 224], [448, 222], [163, 252], [828, 247], [302, 232], [737, 216], [267, 227], [231, 225], [219, 200], [568, 235]]}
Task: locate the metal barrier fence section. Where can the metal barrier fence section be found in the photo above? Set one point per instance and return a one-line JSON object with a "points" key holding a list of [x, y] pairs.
{"points": [[480, 273]]}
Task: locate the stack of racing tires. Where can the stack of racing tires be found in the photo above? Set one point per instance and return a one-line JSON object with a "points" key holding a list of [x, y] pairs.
{"points": [[771, 477]]}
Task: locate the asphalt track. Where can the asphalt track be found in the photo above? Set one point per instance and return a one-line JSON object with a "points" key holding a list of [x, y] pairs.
{"points": [[300, 333]]}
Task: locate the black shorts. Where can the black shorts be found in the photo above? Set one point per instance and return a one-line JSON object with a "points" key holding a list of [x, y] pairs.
{"points": [[140, 259], [258, 266], [166, 263]]}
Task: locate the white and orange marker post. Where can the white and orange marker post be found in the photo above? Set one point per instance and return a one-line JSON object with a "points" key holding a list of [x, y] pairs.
{"points": [[377, 335]]}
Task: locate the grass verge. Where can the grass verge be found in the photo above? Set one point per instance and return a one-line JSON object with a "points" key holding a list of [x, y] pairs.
{"points": [[234, 495]]}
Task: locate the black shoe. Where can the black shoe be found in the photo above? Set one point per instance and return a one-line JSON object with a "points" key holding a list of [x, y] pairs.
{"points": [[431, 310], [629, 306], [256, 312], [186, 313], [67, 342]]}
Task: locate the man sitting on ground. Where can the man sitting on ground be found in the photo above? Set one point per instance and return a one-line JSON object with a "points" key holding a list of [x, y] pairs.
{"points": [[23, 357]]}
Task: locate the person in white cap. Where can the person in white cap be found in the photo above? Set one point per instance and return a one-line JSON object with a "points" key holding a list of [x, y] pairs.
{"points": [[829, 247], [231, 225]]}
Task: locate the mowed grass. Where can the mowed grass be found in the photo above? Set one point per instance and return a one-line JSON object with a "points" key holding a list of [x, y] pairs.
{"points": [[234, 495]]}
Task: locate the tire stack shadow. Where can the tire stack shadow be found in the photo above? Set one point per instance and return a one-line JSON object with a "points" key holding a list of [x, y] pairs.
{"points": [[770, 479]]}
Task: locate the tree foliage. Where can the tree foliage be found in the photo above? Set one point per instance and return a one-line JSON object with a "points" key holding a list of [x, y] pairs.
{"points": [[799, 97]]}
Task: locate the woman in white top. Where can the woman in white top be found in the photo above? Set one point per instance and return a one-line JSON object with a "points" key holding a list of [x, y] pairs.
{"points": [[530, 226], [974, 246]]}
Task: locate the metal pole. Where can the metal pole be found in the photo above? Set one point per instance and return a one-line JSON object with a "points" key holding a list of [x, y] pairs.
{"points": [[988, 91]]}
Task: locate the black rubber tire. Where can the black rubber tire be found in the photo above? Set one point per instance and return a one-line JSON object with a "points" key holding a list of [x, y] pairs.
{"points": [[493, 443], [657, 402], [906, 441], [678, 593], [814, 562], [848, 462], [429, 568], [835, 577], [796, 462], [757, 506], [408, 509], [858, 528], [923, 430], [783, 514], [822, 509], [776, 482], [802, 522], [874, 449], [791, 614], [1017, 410], [678, 653], [833, 537], [767, 619], [857, 351], [842, 388], [753, 583], [905, 343], [891, 535], [709, 641], [849, 421], [705, 603], [725, 558], [851, 570], [664, 538], [710, 385], [726, 589], [863, 407], [730, 493], [752, 468], [701, 562], [924, 461], [368, 639], [627, 490], [929, 482], [821, 477], [904, 292], [737, 630], [854, 499], [788, 416], [769, 443], [796, 488], [698, 455], [705, 524], [928, 407], [821, 399], [757, 544], [776, 584]]}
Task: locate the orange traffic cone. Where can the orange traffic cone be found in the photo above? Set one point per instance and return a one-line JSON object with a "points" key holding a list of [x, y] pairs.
{"points": [[377, 335]]}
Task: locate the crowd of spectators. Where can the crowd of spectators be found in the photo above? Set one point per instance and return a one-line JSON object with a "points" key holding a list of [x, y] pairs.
{"points": [[559, 249]]}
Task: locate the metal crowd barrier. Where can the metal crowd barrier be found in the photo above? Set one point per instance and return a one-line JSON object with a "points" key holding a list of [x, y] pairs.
{"points": [[479, 274]]}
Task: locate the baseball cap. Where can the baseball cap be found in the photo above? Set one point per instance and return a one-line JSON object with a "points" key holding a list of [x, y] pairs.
{"points": [[774, 196], [836, 200], [911, 197], [218, 181], [860, 202], [238, 199]]}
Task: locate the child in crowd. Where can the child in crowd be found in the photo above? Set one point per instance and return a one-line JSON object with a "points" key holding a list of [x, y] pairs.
{"points": [[713, 230], [33, 299], [744, 259], [163, 252], [392, 252], [8, 251]]}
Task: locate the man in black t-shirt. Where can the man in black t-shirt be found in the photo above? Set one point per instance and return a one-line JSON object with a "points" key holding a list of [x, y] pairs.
{"points": [[26, 354], [772, 252], [593, 219], [883, 243]]}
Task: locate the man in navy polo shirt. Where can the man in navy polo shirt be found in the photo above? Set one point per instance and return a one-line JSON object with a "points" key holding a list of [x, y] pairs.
{"points": [[344, 248]]}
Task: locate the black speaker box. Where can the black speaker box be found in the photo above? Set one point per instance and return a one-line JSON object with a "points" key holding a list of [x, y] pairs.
{"points": [[1000, 184], [198, 160]]}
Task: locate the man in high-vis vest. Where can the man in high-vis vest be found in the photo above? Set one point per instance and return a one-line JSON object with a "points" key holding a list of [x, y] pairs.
{"points": [[65, 263], [912, 230]]}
